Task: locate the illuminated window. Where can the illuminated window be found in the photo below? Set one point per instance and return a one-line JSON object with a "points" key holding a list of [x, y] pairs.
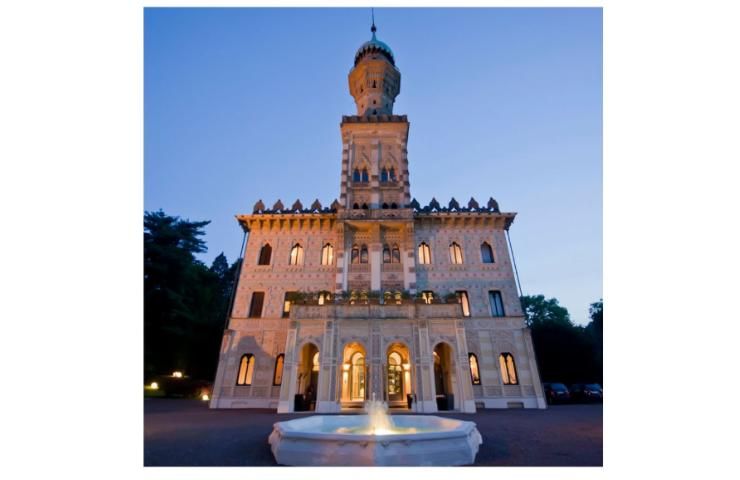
{"points": [[497, 304], [315, 362], [355, 254], [508, 369], [365, 177], [384, 175], [296, 255], [356, 175], [246, 370], [386, 254], [287, 304], [327, 254], [486, 253], [455, 253], [395, 254], [462, 297], [474, 372], [255, 308], [324, 297], [427, 296], [363, 254], [277, 378], [265, 255], [425, 254]]}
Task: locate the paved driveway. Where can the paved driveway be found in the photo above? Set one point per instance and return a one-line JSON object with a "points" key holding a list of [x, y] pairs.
{"points": [[180, 432]]}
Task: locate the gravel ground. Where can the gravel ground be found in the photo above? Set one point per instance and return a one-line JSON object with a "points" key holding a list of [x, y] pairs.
{"points": [[180, 432]]}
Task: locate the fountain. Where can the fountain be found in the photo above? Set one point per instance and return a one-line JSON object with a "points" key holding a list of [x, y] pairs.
{"points": [[375, 438]]}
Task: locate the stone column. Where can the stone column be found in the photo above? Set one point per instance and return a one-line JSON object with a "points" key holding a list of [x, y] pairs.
{"points": [[290, 374], [223, 363], [467, 400]]}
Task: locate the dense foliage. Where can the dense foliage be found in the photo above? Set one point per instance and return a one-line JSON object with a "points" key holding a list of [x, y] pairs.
{"points": [[565, 352], [185, 301]]}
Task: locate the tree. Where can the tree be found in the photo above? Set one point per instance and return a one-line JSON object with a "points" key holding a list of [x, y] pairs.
{"points": [[564, 351]]}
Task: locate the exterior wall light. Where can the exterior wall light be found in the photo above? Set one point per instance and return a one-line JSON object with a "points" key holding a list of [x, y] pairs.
{"points": [[154, 386], [177, 374]]}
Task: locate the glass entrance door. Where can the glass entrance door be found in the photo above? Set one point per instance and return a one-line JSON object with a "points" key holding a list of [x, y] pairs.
{"points": [[395, 377], [357, 378]]}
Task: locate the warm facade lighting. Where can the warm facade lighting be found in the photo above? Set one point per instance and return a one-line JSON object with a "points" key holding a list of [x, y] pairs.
{"points": [[154, 386], [205, 397], [177, 374], [407, 366], [346, 366]]}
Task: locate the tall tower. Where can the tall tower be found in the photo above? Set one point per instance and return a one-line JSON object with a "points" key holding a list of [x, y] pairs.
{"points": [[374, 165], [375, 218]]}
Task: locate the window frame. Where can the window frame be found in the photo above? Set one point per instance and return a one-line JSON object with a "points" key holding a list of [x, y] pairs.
{"points": [[491, 300], [456, 254], [261, 304], [464, 299], [424, 254], [250, 362], [486, 245], [473, 379], [327, 258], [299, 256], [508, 361], [282, 367], [260, 257]]}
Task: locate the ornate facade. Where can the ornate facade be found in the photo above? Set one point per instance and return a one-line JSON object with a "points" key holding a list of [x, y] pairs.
{"points": [[375, 296]]}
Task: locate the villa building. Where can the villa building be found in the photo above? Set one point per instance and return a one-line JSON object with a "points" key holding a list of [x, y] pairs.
{"points": [[376, 296]]}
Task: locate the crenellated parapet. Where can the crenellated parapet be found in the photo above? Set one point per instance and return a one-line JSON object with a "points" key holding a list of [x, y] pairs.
{"points": [[454, 206], [296, 208]]}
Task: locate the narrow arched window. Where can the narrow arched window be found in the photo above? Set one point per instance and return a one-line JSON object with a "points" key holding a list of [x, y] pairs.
{"points": [[324, 297], [356, 206], [385, 206], [265, 255], [384, 175], [393, 205], [355, 254], [327, 255], [486, 253], [364, 206], [395, 254], [392, 174], [356, 176], [425, 254], [455, 253], [315, 362], [363, 254], [246, 370], [508, 369], [474, 371], [277, 377], [497, 303], [296, 255], [365, 177], [386, 254]]}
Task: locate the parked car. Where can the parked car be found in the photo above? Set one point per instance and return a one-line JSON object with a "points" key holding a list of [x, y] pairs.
{"points": [[556, 393], [586, 392]]}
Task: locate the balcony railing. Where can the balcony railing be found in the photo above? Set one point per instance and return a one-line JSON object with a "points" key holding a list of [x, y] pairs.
{"points": [[370, 310]]}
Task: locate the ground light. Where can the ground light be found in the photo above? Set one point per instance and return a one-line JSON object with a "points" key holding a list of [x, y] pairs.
{"points": [[177, 374], [154, 386], [205, 397]]}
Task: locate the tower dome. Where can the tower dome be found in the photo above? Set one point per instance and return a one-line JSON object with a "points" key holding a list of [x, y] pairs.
{"points": [[374, 81]]}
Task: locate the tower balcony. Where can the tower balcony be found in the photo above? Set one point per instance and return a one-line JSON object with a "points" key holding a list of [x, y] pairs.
{"points": [[368, 311]]}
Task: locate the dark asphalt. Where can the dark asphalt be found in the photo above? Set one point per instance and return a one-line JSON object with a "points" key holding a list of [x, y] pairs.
{"points": [[179, 432]]}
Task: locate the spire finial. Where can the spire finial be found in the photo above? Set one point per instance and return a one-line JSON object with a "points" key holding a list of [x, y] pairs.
{"points": [[373, 29]]}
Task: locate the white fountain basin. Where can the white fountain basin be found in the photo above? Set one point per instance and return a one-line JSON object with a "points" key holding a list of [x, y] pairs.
{"points": [[345, 440]]}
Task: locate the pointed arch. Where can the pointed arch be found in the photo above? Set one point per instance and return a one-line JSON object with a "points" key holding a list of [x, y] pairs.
{"points": [[265, 255], [486, 252], [296, 255]]}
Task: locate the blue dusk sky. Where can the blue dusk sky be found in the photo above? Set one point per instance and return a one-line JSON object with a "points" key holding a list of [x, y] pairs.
{"points": [[245, 104]]}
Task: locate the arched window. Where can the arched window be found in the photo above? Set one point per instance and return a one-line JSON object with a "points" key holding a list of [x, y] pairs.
{"points": [[355, 254], [364, 206], [356, 176], [296, 255], [425, 254], [356, 206], [384, 175], [486, 253], [497, 303], [365, 177], [363, 254], [395, 254], [246, 370], [393, 205], [327, 255], [508, 369], [386, 254], [385, 206], [462, 298], [265, 255], [455, 253], [392, 174], [474, 372], [277, 377]]}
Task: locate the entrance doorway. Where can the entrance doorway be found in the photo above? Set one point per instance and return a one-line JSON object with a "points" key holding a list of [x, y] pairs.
{"points": [[308, 378], [353, 376], [398, 376], [443, 379]]}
